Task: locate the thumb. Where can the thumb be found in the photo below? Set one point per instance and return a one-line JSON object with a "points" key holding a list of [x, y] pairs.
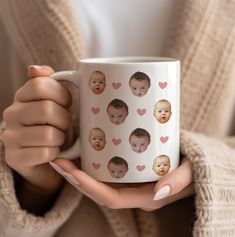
{"points": [[39, 71], [174, 181]]}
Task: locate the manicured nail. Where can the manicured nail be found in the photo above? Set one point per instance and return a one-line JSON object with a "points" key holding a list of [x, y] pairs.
{"points": [[37, 67], [57, 168], [71, 179], [162, 192]]}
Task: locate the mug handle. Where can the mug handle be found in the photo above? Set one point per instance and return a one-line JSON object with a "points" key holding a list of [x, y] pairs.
{"points": [[70, 76]]}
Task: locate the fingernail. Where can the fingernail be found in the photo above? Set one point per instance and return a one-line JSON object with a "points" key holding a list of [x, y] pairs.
{"points": [[162, 192], [37, 67], [57, 168], [71, 179]]}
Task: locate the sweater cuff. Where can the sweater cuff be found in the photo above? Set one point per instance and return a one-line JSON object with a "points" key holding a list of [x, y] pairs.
{"points": [[18, 222], [214, 179]]}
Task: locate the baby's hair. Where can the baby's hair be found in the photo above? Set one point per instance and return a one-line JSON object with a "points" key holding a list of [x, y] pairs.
{"points": [[163, 101], [118, 161], [140, 132], [96, 129], [118, 104], [160, 157], [140, 76], [97, 72]]}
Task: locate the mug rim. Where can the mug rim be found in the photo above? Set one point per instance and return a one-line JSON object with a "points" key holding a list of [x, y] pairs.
{"points": [[128, 60]]}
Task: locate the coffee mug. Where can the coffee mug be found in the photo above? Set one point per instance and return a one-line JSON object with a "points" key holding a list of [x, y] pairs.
{"points": [[129, 117]]}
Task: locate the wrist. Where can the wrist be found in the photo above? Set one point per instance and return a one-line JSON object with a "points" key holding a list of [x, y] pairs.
{"points": [[36, 199]]}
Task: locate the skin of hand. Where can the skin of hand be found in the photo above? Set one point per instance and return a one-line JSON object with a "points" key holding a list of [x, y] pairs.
{"points": [[35, 129], [176, 185]]}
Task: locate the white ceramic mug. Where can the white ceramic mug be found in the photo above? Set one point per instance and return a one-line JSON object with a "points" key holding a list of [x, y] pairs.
{"points": [[129, 117]]}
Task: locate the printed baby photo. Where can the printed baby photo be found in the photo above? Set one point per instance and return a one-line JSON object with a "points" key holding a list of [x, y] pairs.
{"points": [[161, 165], [117, 167], [139, 140], [139, 84], [97, 82], [117, 111], [97, 139], [162, 111]]}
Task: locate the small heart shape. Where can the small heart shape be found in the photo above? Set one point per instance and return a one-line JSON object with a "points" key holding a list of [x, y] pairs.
{"points": [[164, 139], [96, 165], [141, 111], [116, 85], [162, 85], [140, 167], [95, 110], [116, 141]]}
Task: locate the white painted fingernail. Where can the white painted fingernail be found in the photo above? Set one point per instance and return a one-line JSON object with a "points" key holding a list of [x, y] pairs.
{"points": [[57, 168], [162, 192], [71, 179], [37, 67]]}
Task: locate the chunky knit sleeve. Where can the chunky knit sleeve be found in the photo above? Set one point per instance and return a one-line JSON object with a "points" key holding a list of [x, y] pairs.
{"points": [[44, 32], [214, 178], [16, 222]]}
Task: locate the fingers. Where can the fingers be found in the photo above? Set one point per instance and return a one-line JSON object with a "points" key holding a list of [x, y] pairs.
{"points": [[39, 71], [139, 196], [42, 87], [115, 198], [34, 136], [174, 181], [38, 113], [30, 157]]}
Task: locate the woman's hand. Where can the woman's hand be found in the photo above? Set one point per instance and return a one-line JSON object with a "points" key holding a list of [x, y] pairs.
{"points": [[173, 186]]}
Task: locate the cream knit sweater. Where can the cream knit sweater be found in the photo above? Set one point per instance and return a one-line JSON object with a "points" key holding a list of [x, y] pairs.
{"points": [[203, 38]]}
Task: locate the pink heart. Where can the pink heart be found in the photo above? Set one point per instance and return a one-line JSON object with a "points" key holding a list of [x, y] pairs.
{"points": [[140, 167], [141, 111], [164, 139], [96, 165], [95, 110], [116, 141], [162, 85], [116, 85]]}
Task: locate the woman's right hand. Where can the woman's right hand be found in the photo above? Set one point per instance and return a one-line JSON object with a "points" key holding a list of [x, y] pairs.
{"points": [[35, 128]]}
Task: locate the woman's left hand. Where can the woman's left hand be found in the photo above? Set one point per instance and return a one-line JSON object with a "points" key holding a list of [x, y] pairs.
{"points": [[174, 186]]}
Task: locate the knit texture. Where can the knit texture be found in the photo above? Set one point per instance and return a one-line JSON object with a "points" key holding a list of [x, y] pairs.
{"points": [[203, 36]]}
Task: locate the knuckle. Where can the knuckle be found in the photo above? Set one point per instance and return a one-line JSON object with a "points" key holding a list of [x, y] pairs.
{"points": [[47, 108], [111, 204], [53, 136], [48, 153], [6, 138], [39, 86], [8, 114]]}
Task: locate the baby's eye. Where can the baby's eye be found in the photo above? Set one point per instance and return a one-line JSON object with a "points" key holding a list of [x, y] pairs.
{"points": [[120, 171], [142, 87], [142, 144], [134, 88], [158, 165], [94, 82], [94, 138], [101, 82], [159, 111], [112, 116], [120, 116], [112, 171], [134, 145], [101, 139]]}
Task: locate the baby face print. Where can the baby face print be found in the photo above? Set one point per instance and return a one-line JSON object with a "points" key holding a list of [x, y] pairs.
{"points": [[162, 111], [97, 139], [117, 111], [139, 84], [97, 82], [161, 165], [117, 167], [139, 140]]}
